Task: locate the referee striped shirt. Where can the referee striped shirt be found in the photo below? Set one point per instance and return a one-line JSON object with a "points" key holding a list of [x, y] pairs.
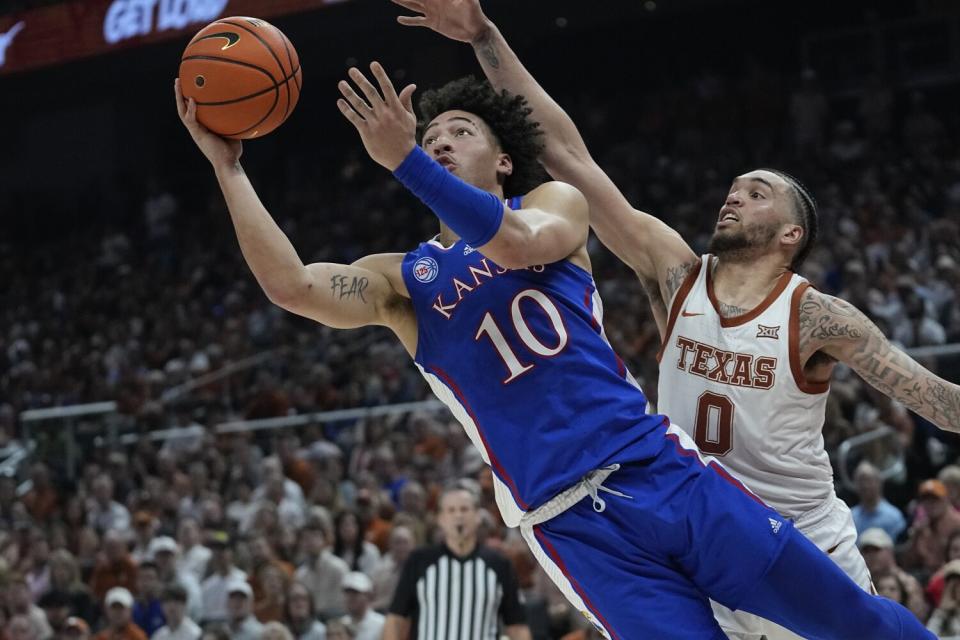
{"points": [[451, 598]]}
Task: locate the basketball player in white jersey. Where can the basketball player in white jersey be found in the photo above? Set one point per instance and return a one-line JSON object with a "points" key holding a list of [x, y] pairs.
{"points": [[748, 346]]}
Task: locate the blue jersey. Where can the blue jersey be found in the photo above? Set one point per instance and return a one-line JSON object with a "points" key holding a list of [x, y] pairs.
{"points": [[521, 359]]}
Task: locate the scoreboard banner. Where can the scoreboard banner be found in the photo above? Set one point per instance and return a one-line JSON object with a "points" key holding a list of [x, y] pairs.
{"points": [[82, 28]]}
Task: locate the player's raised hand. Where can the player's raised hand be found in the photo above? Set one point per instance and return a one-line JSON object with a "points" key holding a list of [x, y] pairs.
{"points": [[461, 20], [385, 120], [221, 152]]}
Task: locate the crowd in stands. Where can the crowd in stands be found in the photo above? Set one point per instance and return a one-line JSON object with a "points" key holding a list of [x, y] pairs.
{"points": [[302, 533]]}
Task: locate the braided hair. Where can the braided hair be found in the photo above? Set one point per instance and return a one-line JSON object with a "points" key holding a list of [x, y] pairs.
{"points": [[805, 213]]}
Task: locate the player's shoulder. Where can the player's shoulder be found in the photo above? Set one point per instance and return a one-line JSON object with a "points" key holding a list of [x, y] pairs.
{"points": [[815, 304], [381, 262], [390, 265], [557, 194]]}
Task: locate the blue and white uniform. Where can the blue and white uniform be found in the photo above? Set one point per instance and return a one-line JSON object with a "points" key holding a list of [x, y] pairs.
{"points": [[521, 359]]}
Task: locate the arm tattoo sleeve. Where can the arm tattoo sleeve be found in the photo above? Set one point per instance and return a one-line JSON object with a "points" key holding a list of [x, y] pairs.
{"points": [[842, 331]]}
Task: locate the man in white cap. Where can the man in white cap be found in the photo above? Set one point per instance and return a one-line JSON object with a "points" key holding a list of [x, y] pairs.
{"points": [[876, 545], [165, 552], [118, 606], [357, 593], [240, 620]]}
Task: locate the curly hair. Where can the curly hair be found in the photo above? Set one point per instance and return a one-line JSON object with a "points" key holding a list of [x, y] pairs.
{"points": [[507, 115]]}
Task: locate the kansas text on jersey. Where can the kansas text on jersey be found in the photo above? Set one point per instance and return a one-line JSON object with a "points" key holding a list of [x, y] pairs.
{"points": [[520, 358]]}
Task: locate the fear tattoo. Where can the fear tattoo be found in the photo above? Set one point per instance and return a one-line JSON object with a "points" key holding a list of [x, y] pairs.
{"points": [[348, 287]]}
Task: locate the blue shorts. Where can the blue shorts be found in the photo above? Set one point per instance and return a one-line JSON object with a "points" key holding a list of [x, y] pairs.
{"points": [[645, 566]]}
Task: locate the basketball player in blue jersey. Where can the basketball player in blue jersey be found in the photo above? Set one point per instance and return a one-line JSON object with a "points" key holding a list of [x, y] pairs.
{"points": [[501, 315]]}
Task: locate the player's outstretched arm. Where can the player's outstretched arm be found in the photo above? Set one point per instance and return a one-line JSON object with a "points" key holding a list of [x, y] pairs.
{"points": [[552, 225], [657, 253], [341, 296], [843, 332]]}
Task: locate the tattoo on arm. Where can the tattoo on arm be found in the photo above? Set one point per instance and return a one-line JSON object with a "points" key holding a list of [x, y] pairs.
{"points": [[348, 287], [487, 51], [675, 277], [841, 330]]}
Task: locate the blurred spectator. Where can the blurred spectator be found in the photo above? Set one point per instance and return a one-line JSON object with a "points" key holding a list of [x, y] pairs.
{"points": [[65, 577], [873, 510], [147, 606], [301, 617], [387, 572], [145, 527], [877, 549], [163, 552], [103, 512], [459, 555], [178, 625], [42, 499], [118, 608], [56, 606], [322, 572], [945, 619], [272, 583], [934, 522], [413, 506], [19, 602], [240, 619], [357, 592], [76, 629], [295, 466], [889, 586], [950, 477], [37, 569], [20, 627], [221, 573], [115, 567], [216, 632], [340, 630], [351, 544], [275, 631], [193, 555], [935, 585]]}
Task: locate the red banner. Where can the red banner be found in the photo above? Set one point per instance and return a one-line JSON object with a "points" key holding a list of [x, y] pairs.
{"points": [[56, 34]]}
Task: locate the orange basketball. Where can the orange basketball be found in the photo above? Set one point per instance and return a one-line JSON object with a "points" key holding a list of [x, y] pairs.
{"points": [[244, 74]]}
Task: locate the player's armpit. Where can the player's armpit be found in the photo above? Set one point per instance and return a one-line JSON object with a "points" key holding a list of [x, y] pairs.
{"points": [[843, 332], [343, 296], [550, 227]]}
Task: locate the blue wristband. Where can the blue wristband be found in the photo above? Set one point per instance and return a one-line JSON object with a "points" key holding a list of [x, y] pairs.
{"points": [[473, 214]]}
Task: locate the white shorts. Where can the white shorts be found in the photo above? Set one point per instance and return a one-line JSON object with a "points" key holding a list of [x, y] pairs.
{"points": [[830, 527]]}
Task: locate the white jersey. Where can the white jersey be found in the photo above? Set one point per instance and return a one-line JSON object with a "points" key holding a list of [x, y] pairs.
{"points": [[736, 385]]}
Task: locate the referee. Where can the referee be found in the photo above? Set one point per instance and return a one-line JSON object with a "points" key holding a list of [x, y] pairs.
{"points": [[457, 590]]}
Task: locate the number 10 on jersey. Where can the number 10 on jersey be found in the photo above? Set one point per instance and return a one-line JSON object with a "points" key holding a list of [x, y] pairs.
{"points": [[515, 366]]}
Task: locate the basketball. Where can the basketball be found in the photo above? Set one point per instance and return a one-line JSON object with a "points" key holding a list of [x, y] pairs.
{"points": [[244, 74]]}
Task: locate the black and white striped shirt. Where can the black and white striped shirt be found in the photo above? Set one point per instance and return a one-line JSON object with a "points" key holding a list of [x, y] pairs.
{"points": [[452, 598]]}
